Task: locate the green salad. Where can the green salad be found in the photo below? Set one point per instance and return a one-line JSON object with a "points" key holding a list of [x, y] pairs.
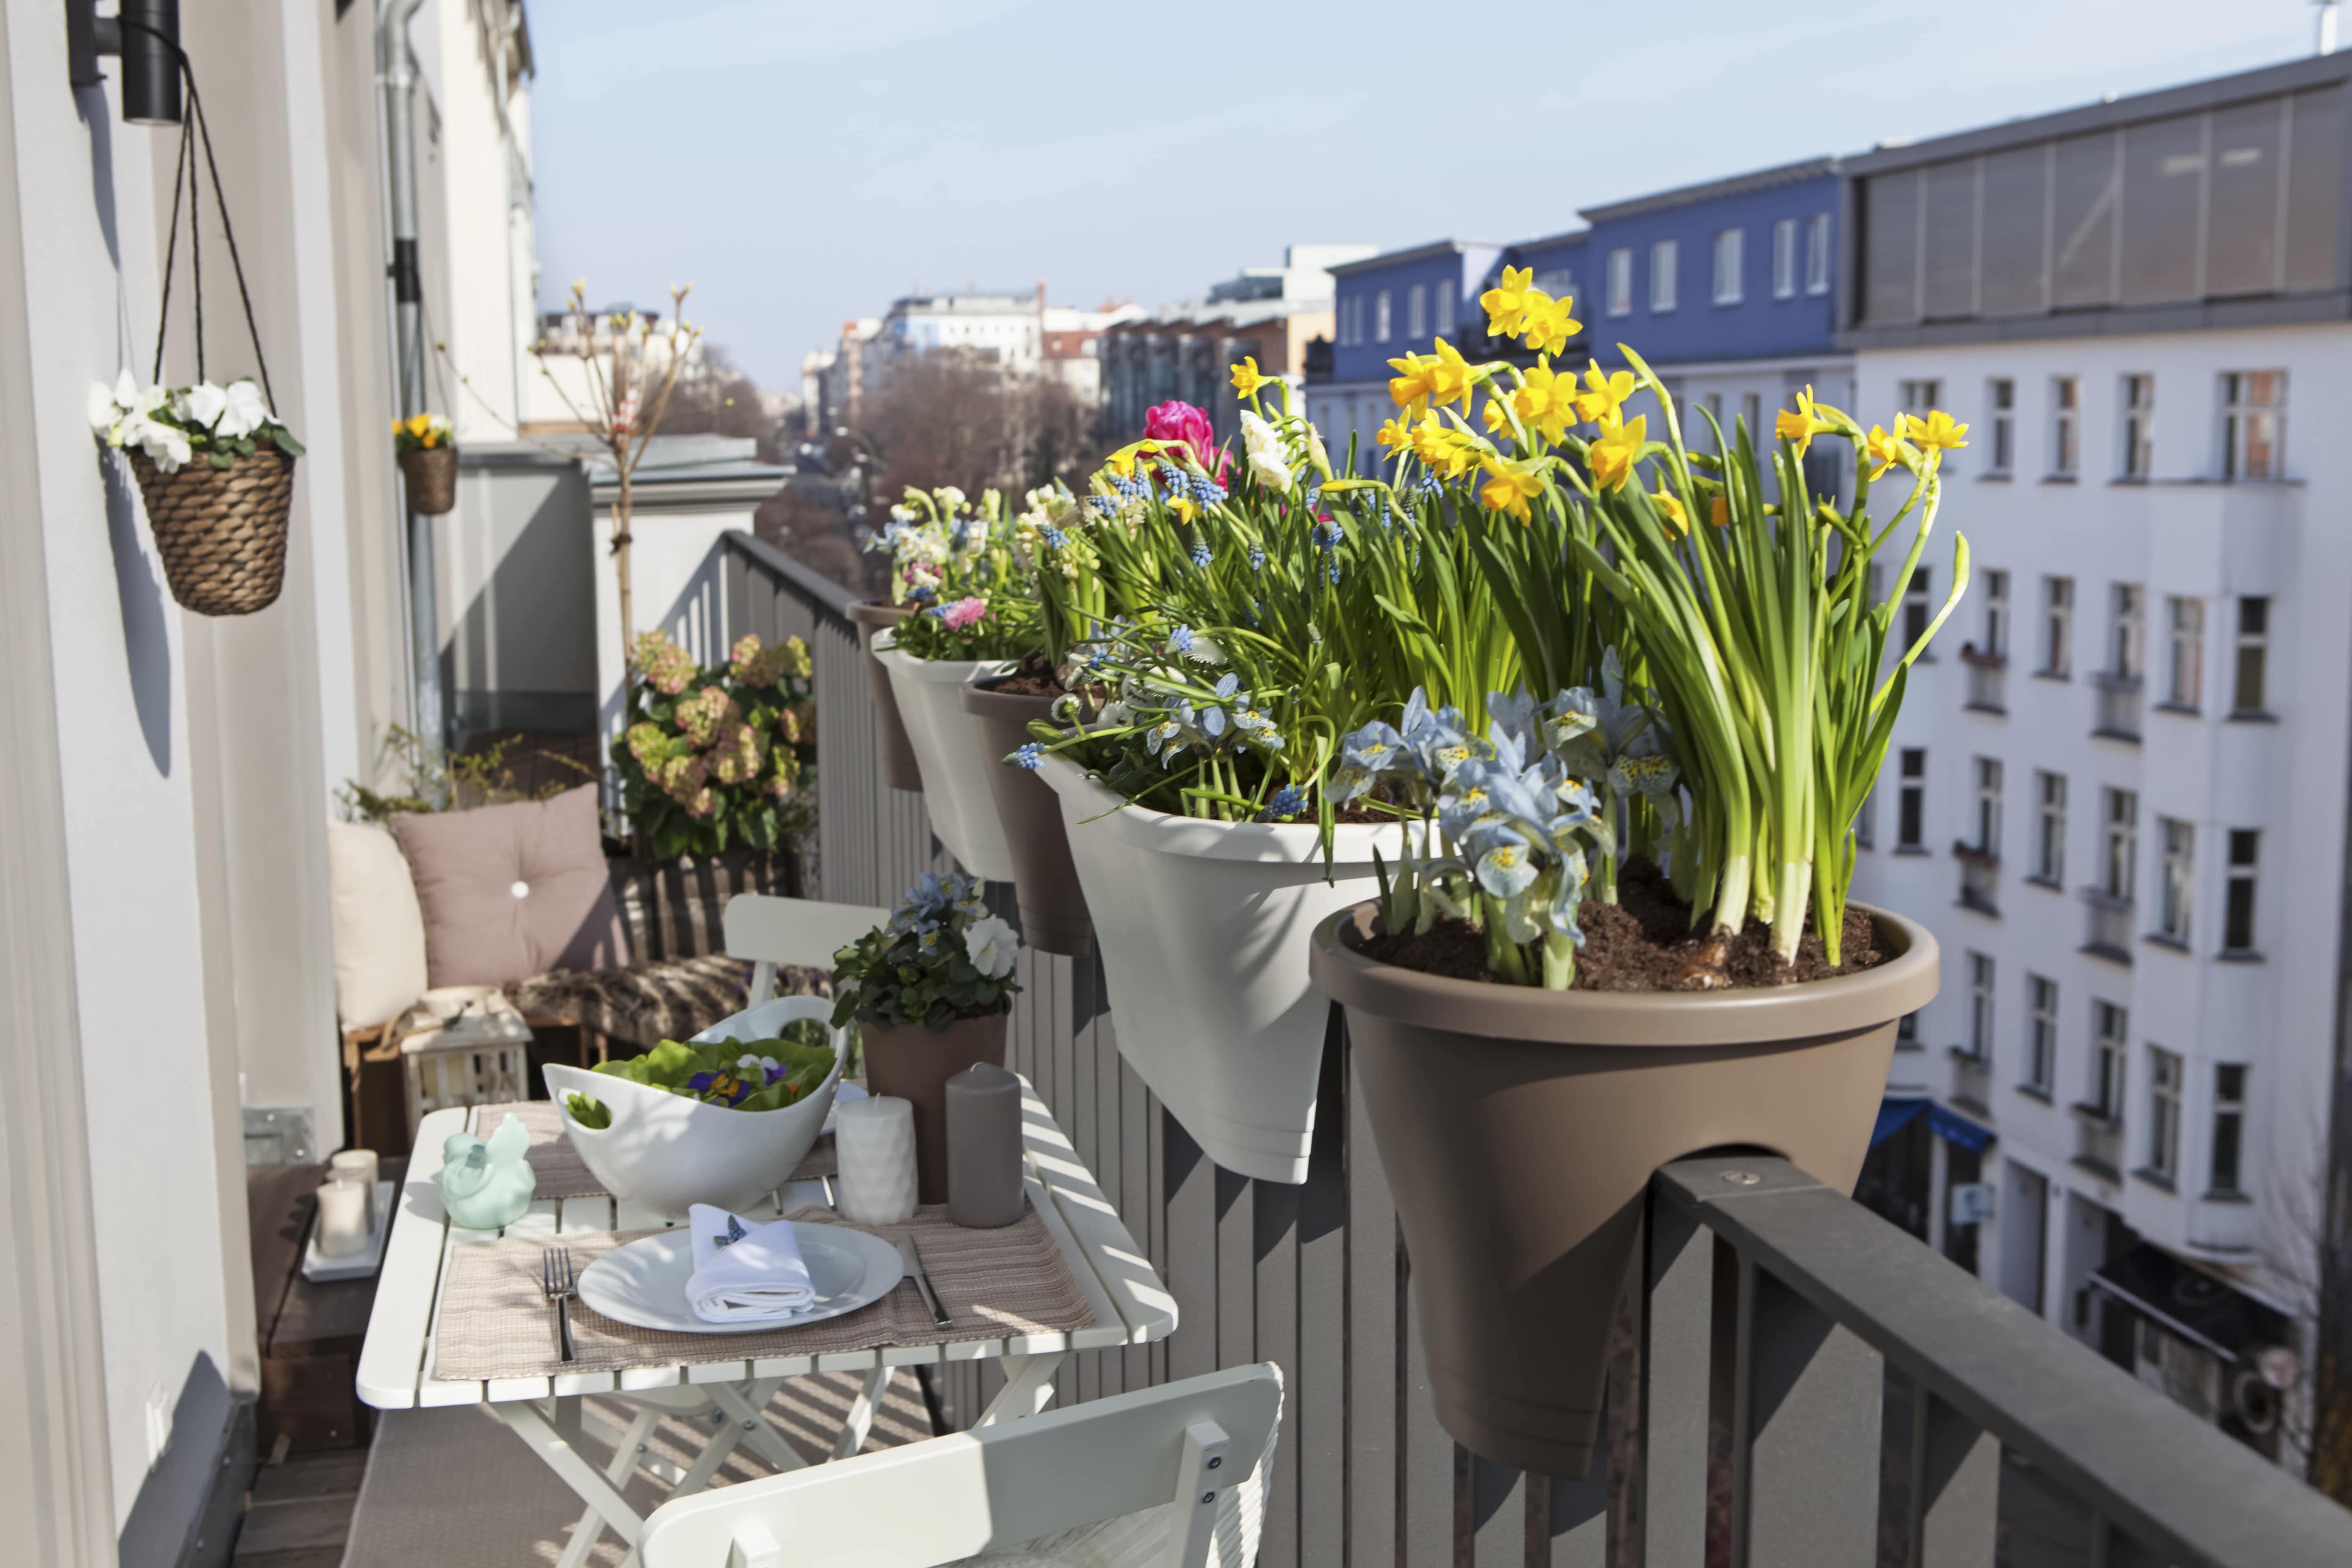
{"points": [[744, 1075]]}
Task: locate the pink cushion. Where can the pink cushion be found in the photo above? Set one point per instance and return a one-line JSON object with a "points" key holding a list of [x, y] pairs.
{"points": [[510, 891]]}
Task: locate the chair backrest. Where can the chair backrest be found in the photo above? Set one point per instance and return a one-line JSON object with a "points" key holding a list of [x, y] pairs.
{"points": [[769, 930], [1184, 1443]]}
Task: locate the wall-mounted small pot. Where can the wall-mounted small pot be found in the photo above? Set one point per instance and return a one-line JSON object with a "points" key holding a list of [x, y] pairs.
{"points": [[430, 474]]}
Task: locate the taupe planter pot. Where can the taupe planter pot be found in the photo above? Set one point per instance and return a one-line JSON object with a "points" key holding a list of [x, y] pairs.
{"points": [[1519, 1129], [913, 1063], [898, 769], [1053, 907]]}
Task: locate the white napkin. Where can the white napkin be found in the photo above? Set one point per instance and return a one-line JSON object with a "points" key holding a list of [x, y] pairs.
{"points": [[745, 1273]]}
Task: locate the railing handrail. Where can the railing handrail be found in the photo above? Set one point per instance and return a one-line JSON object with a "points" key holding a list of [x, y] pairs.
{"points": [[2143, 1464], [821, 590]]}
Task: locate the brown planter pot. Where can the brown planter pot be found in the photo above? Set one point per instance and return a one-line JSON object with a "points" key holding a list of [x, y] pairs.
{"points": [[913, 1063], [898, 770], [1053, 908], [431, 475], [1519, 1129], [221, 531]]}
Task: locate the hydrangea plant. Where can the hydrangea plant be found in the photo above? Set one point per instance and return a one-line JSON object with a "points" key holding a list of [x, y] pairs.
{"points": [[716, 758], [941, 957]]}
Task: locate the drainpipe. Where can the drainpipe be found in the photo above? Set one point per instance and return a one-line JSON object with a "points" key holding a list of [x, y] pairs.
{"points": [[396, 72]]}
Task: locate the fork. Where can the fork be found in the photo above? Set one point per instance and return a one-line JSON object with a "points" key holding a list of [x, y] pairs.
{"points": [[560, 1285]]}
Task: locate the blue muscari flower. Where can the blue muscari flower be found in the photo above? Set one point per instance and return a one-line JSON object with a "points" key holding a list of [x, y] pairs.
{"points": [[1314, 494], [1054, 537], [1331, 572], [1029, 756], [1180, 639], [1257, 558], [1328, 533], [1429, 484], [1132, 490], [1288, 802], [1104, 504], [1200, 555], [1206, 490]]}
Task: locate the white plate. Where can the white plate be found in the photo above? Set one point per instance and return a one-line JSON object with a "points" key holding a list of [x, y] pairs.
{"points": [[644, 1283]]}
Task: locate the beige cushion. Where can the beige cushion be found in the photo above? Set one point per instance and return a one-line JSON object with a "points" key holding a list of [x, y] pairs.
{"points": [[379, 929], [510, 891]]}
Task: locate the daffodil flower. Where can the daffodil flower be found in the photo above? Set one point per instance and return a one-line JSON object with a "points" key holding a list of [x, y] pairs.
{"points": [[1604, 395], [1668, 506], [1504, 306], [1547, 323], [1802, 424], [1246, 379], [1449, 377], [1408, 388], [1939, 432], [1612, 456], [1885, 451], [1546, 401], [1509, 488], [1394, 436]]}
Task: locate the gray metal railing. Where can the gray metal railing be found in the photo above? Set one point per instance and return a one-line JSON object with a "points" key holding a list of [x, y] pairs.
{"points": [[2108, 925], [1771, 1391], [1988, 682], [1980, 880], [2118, 700]]}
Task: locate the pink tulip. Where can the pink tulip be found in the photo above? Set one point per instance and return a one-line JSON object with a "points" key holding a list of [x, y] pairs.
{"points": [[1182, 422], [964, 612]]}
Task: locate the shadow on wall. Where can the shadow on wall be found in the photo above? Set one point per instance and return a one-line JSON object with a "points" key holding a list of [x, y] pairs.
{"points": [[523, 653], [187, 1509]]}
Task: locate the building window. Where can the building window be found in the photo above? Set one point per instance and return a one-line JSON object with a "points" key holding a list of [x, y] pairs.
{"points": [[1351, 320], [1621, 283], [1996, 617], [2229, 1125], [2049, 828], [1444, 293], [2127, 631], [2163, 1112], [1817, 254], [1988, 824], [1784, 259], [2001, 398], [2249, 685], [2184, 664], [1751, 412], [2065, 396], [2041, 1033], [1980, 1006], [1916, 610], [2253, 425], [2139, 425], [2122, 844], [2058, 625], [1911, 807], [2178, 841], [1664, 255], [2237, 901], [1381, 317], [1416, 312], [2109, 1025], [1919, 396], [1731, 253]]}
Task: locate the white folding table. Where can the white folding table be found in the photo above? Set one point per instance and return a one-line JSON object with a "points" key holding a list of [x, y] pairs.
{"points": [[1131, 1305]]}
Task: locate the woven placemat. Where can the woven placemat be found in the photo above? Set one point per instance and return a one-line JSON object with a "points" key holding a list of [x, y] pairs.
{"points": [[495, 1322], [563, 1174]]}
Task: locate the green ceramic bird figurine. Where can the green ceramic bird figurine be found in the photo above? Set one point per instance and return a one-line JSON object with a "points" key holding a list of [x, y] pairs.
{"points": [[486, 1184]]}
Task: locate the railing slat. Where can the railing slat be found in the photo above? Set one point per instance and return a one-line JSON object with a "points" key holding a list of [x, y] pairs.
{"points": [[1808, 1417], [1573, 1520], [1677, 1351], [1498, 1515], [1373, 1275], [1955, 1487]]}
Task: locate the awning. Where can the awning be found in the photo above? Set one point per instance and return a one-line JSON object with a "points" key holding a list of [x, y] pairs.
{"points": [[1954, 1128], [1894, 1115], [2195, 1305]]}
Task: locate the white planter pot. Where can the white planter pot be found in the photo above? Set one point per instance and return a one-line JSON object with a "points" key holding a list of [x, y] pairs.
{"points": [[669, 1151], [1204, 930], [952, 754]]}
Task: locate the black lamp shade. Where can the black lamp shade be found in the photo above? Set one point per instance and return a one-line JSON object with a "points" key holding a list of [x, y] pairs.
{"points": [[151, 63]]}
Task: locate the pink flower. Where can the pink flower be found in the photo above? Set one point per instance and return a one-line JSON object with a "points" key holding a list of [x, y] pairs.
{"points": [[1174, 421], [964, 612]]}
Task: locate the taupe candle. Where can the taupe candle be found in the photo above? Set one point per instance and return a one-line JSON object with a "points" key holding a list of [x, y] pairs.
{"points": [[984, 1183]]}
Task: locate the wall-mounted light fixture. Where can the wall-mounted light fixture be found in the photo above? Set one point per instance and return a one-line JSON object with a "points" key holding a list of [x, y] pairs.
{"points": [[146, 38]]}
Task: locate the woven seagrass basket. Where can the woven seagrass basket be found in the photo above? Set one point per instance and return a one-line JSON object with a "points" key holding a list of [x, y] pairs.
{"points": [[221, 531], [431, 473]]}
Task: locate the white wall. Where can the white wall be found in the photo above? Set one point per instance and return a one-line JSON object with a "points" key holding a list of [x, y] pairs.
{"points": [[673, 585]]}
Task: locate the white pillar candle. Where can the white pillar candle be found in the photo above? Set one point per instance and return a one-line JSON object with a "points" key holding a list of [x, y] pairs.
{"points": [[357, 1165], [343, 1210], [875, 1142]]}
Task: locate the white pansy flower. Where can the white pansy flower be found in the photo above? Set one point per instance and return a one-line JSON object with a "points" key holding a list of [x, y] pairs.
{"points": [[246, 412], [989, 943], [201, 404], [1265, 448], [166, 446], [103, 410], [1205, 649]]}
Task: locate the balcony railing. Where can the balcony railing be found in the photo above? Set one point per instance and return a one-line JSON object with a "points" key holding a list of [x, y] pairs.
{"points": [[1829, 1317], [2119, 700], [1971, 1080], [2099, 1142], [1980, 880], [1988, 681], [2108, 925]]}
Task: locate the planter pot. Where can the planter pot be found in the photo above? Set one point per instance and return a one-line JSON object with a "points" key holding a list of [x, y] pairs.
{"points": [[221, 531], [898, 769], [430, 474], [1204, 929], [1519, 1129], [913, 1063], [670, 1152], [1053, 905], [952, 750]]}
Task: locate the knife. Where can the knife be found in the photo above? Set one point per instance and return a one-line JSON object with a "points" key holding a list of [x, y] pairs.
{"points": [[914, 1261]]}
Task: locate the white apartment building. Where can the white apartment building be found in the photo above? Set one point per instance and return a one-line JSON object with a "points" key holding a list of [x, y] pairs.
{"points": [[2117, 792]]}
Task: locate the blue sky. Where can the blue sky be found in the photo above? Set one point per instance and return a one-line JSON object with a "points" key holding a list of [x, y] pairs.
{"points": [[802, 163]]}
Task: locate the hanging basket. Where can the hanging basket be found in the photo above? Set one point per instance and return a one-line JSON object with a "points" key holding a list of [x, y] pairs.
{"points": [[221, 531], [431, 475]]}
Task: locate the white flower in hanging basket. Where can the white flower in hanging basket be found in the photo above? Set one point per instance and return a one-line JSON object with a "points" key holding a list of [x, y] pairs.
{"points": [[171, 426]]}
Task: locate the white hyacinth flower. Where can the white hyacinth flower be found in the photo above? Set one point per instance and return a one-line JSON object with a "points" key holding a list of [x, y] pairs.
{"points": [[990, 945], [1265, 449]]}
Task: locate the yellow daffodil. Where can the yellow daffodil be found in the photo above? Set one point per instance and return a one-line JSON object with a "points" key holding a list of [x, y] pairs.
{"points": [[1409, 386], [1185, 509], [1492, 415], [1442, 448], [1449, 376], [1509, 488], [1719, 513], [1802, 424], [1939, 432], [1506, 305], [1246, 379], [1667, 507], [1548, 323], [1612, 457], [1394, 436], [1604, 395], [1884, 450], [1546, 401], [1124, 460]]}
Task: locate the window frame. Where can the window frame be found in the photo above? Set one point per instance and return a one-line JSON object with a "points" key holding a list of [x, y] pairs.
{"points": [[1996, 615], [2065, 427], [2058, 627], [2000, 414], [1784, 259], [1730, 254], [2184, 662], [1384, 309], [1665, 276], [2041, 1035], [2135, 398], [2239, 413], [1911, 798], [1443, 293], [1918, 612], [2253, 644], [2229, 1146], [1620, 281], [2241, 885], [1988, 774], [2176, 879], [1416, 312], [2127, 631], [2165, 1074], [2119, 844], [1817, 254], [2050, 827], [2110, 1038], [1982, 974]]}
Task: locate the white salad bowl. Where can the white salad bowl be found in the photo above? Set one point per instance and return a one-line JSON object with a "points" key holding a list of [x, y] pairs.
{"points": [[669, 1151]]}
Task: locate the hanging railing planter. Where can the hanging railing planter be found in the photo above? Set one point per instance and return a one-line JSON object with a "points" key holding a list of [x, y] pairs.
{"points": [[213, 465], [428, 463]]}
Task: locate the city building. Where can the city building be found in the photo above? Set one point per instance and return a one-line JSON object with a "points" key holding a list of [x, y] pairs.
{"points": [[1383, 305], [2117, 790]]}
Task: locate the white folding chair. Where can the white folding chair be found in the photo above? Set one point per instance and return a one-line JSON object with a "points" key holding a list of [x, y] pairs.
{"points": [[769, 930], [1167, 1477]]}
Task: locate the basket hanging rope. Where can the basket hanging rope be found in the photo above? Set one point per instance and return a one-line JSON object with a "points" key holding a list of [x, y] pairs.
{"points": [[220, 531]]}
